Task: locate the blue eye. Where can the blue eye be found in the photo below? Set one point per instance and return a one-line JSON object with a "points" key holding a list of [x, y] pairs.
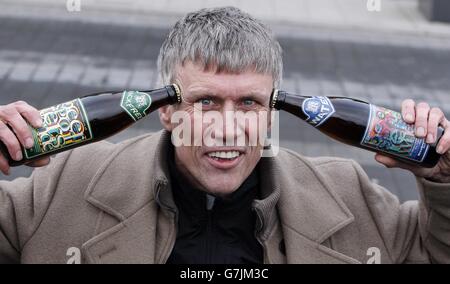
{"points": [[248, 102], [206, 102]]}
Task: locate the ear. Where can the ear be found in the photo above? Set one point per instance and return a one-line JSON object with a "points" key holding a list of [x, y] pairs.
{"points": [[165, 115]]}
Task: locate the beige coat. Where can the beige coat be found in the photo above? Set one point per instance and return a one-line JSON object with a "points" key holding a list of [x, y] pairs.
{"points": [[112, 204]]}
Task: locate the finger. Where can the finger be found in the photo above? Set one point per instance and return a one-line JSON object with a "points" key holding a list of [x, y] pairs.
{"points": [[386, 161], [22, 130], [444, 143], [4, 165], [408, 111], [10, 140], [421, 123], [435, 118], [39, 163], [31, 114], [392, 163]]}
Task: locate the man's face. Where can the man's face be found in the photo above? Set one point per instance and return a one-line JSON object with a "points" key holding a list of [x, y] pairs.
{"points": [[220, 168]]}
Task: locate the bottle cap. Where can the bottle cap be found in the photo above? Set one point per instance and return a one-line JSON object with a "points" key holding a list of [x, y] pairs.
{"points": [[274, 98], [178, 92]]}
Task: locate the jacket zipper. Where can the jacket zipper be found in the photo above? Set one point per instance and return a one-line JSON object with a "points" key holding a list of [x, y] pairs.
{"points": [[208, 236], [210, 200]]}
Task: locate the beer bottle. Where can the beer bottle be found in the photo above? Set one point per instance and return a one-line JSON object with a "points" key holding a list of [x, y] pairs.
{"points": [[91, 118], [361, 124]]}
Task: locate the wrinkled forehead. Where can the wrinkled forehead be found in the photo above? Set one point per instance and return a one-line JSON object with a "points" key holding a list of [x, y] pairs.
{"points": [[197, 81]]}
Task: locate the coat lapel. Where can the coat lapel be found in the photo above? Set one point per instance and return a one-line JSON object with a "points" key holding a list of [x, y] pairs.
{"points": [[127, 242], [309, 210], [125, 187]]}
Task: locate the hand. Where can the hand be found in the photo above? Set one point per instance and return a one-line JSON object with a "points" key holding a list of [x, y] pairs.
{"points": [[426, 121], [14, 115]]}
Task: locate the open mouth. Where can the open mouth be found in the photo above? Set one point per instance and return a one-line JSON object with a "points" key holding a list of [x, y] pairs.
{"points": [[224, 159]]}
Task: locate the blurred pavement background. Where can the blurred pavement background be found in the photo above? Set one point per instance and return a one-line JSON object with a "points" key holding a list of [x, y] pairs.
{"points": [[51, 53]]}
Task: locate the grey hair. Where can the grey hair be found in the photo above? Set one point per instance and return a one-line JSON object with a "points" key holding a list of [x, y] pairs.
{"points": [[224, 39]]}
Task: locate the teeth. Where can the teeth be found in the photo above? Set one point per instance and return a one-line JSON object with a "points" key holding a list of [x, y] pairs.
{"points": [[224, 154]]}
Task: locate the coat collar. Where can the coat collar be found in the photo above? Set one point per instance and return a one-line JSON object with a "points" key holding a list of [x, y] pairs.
{"points": [[307, 212], [298, 202], [307, 202], [144, 160]]}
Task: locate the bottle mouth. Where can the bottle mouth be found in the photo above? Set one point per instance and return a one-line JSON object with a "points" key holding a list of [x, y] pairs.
{"points": [[178, 92], [274, 98]]}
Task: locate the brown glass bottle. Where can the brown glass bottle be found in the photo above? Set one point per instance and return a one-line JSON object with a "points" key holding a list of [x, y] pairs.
{"points": [[91, 118], [361, 124]]}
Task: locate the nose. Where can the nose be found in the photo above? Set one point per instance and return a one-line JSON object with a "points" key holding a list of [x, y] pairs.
{"points": [[231, 129]]}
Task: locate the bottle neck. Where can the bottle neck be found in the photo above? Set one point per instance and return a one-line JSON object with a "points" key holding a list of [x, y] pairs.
{"points": [[174, 93], [291, 103], [164, 96]]}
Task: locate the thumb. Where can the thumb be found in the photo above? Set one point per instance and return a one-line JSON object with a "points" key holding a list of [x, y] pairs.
{"points": [[393, 163], [386, 161], [416, 170], [39, 163]]}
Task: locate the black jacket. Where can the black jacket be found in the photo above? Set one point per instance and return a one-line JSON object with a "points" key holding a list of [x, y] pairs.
{"points": [[214, 230]]}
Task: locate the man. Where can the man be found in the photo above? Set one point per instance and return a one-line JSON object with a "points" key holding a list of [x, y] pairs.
{"points": [[146, 201]]}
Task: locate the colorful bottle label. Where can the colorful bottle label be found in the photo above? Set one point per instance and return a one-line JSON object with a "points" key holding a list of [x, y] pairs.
{"points": [[317, 110], [387, 132], [64, 125], [136, 103]]}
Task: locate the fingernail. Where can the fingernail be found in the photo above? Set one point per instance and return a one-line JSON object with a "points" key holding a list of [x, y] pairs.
{"points": [[18, 156], [440, 150], [409, 117], [29, 143], [430, 138], [420, 131]]}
